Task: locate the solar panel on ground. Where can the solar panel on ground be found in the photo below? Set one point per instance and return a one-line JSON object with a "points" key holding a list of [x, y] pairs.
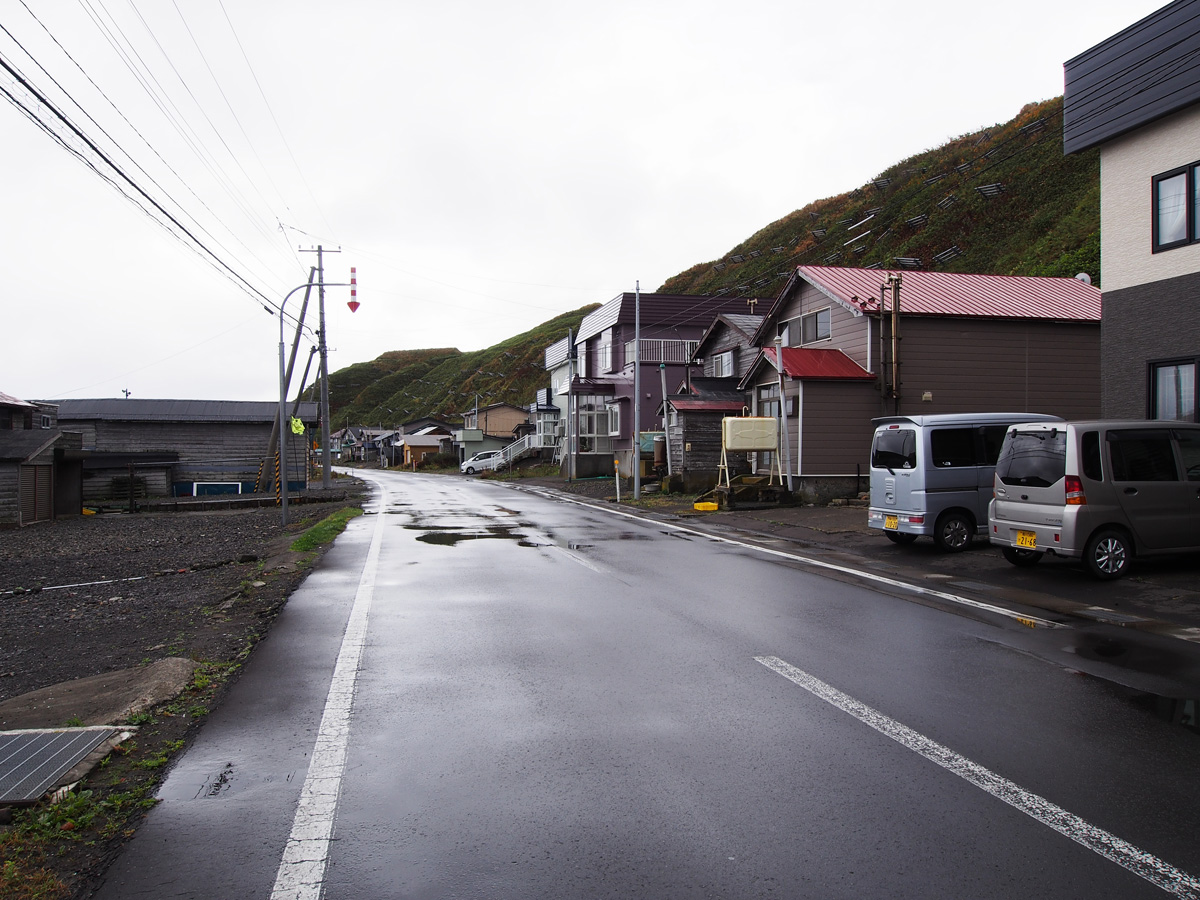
{"points": [[32, 762]]}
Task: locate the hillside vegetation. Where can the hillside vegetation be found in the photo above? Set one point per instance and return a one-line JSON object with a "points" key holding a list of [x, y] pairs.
{"points": [[403, 385], [1000, 201]]}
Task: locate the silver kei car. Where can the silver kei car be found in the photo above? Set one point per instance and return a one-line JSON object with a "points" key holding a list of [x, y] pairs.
{"points": [[1103, 491]]}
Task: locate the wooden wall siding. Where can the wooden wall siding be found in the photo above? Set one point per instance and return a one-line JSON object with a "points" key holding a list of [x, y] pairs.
{"points": [[837, 427], [207, 451], [501, 422], [10, 506], [999, 366], [703, 432], [724, 340], [848, 333]]}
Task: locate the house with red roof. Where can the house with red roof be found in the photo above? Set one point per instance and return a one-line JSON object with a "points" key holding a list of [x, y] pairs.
{"points": [[841, 346]]}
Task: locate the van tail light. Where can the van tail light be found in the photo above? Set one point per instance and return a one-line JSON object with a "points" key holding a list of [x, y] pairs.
{"points": [[1075, 495]]}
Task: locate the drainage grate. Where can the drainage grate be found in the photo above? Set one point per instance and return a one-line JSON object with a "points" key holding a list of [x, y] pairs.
{"points": [[32, 762]]}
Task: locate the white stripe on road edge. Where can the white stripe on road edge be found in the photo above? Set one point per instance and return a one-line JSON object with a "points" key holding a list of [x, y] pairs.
{"points": [[1023, 618], [1110, 846], [301, 872]]}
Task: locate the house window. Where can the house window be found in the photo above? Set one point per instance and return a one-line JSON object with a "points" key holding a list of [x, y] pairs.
{"points": [[789, 330], [614, 420], [768, 406], [723, 365], [815, 326], [606, 351], [1175, 196], [1173, 391], [45, 421]]}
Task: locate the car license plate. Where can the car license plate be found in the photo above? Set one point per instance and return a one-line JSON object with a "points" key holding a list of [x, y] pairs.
{"points": [[1027, 540], [891, 522]]}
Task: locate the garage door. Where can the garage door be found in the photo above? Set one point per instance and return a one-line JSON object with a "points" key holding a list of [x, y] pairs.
{"points": [[35, 493]]}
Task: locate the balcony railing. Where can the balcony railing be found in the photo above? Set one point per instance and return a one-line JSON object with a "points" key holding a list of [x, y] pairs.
{"points": [[662, 351]]}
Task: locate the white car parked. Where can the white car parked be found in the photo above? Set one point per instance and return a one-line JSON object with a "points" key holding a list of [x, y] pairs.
{"points": [[481, 462]]}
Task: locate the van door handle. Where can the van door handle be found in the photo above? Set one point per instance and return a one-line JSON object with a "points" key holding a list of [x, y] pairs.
{"points": [[1131, 490]]}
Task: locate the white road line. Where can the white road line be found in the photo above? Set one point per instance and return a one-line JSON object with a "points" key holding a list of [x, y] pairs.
{"points": [[1023, 618], [301, 872], [1111, 847]]}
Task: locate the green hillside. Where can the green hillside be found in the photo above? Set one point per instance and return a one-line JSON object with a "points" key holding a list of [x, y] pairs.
{"points": [[403, 385], [1001, 201]]}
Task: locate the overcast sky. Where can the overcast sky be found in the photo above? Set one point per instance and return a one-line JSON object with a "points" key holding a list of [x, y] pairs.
{"points": [[484, 165]]}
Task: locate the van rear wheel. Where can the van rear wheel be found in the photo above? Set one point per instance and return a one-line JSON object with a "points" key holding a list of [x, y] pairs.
{"points": [[954, 531], [900, 537], [1108, 554], [1021, 557]]}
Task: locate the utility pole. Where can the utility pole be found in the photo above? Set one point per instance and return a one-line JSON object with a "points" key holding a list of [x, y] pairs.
{"points": [[323, 349], [637, 390]]}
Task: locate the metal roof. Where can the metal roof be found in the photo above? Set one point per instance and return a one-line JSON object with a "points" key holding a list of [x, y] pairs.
{"points": [[659, 311], [1143, 73], [131, 410], [684, 403], [746, 324], [10, 400], [18, 446], [819, 364], [955, 294]]}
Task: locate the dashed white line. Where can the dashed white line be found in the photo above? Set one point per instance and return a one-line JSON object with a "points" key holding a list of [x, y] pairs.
{"points": [[301, 872], [1151, 868]]}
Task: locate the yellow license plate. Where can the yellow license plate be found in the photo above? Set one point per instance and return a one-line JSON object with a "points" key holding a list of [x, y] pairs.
{"points": [[1027, 540], [891, 522]]}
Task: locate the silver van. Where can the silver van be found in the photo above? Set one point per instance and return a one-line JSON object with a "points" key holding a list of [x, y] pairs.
{"points": [[1103, 492], [933, 474]]}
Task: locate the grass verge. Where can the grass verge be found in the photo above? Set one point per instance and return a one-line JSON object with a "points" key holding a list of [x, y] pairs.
{"points": [[325, 530]]}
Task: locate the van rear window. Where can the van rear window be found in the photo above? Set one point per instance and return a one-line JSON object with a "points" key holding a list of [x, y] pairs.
{"points": [[895, 449], [1033, 458]]}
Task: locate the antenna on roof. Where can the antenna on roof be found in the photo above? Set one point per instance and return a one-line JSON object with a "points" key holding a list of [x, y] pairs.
{"points": [[1084, 277]]}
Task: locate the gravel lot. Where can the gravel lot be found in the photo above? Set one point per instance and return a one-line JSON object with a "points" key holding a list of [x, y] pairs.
{"points": [[84, 596]]}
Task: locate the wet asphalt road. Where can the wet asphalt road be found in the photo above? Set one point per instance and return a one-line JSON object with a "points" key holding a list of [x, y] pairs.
{"points": [[552, 701]]}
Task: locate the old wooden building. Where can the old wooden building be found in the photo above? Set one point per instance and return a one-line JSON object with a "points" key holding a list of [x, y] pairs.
{"points": [[40, 467], [181, 448]]}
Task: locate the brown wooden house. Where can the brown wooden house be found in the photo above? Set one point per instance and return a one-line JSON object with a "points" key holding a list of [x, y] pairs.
{"points": [[959, 343]]}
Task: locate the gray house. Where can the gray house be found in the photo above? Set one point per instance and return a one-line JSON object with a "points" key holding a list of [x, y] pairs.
{"points": [[181, 448], [1136, 96], [958, 343]]}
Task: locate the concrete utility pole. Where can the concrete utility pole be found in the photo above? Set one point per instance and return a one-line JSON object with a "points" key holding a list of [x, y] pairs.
{"points": [[637, 390], [323, 349], [783, 416]]}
